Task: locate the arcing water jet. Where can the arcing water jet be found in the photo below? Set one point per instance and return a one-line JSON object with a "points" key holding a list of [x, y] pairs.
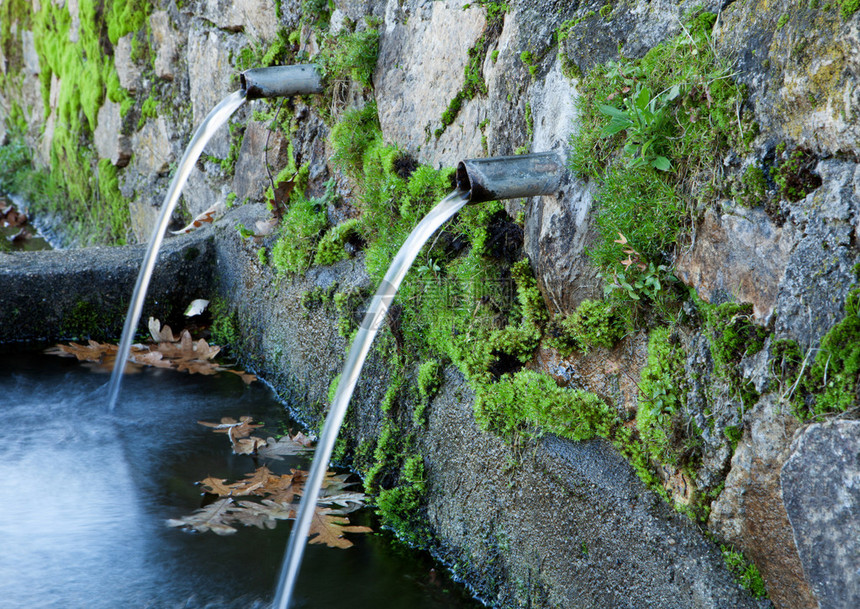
{"points": [[478, 180], [257, 83]]}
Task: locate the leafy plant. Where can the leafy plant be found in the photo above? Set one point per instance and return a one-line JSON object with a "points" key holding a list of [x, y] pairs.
{"points": [[350, 56], [645, 119]]}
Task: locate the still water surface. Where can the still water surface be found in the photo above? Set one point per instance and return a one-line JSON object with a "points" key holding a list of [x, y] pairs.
{"points": [[84, 497]]}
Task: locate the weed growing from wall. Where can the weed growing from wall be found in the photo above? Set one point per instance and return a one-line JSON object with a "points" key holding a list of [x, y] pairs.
{"points": [[652, 135]]}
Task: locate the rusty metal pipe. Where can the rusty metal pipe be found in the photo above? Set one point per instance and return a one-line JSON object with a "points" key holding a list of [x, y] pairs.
{"points": [[280, 81], [510, 177]]}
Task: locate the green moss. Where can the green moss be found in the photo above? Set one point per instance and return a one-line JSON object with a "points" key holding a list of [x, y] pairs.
{"points": [[662, 395], [794, 175], [400, 507], [753, 187], [149, 109], [87, 77], [733, 334], [831, 383], [429, 379], [331, 246], [86, 320], [300, 231], [783, 19], [529, 398], [594, 323], [224, 329], [848, 7], [352, 136], [747, 573]]}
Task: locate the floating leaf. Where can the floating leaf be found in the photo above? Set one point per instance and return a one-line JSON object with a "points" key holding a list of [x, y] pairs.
{"points": [[214, 517], [237, 429], [329, 526], [285, 446]]}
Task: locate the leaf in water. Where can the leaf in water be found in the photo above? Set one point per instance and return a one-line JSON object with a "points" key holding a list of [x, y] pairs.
{"points": [[329, 526], [91, 352], [237, 429], [214, 517], [348, 502], [247, 446], [183, 353], [264, 514], [160, 334], [216, 486], [205, 217], [253, 483], [285, 446]]}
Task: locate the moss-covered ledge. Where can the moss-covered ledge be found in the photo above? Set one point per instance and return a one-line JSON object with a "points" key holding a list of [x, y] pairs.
{"points": [[542, 522]]}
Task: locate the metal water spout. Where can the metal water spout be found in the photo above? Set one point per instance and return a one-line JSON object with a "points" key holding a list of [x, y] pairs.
{"points": [[511, 177], [281, 81], [277, 81]]}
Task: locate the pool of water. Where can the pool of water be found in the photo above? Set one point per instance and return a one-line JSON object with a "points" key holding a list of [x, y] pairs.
{"points": [[85, 495]]}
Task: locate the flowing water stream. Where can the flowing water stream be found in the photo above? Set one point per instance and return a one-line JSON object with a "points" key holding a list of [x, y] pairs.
{"points": [[355, 358], [219, 115], [375, 316]]}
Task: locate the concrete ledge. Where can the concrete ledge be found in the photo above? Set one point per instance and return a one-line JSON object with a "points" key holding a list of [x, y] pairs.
{"points": [[84, 293]]}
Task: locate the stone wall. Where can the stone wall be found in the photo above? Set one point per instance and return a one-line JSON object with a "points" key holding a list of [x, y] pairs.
{"points": [[794, 261]]}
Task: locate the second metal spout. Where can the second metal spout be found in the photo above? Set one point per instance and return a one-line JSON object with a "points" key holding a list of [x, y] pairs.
{"points": [[280, 81], [510, 177]]}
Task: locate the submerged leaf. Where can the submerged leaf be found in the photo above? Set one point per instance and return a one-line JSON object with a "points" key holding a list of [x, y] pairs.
{"points": [[285, 446]]}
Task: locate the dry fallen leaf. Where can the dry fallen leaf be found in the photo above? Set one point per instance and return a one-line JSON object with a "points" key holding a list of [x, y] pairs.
{"points": [[237, 429], [285, 446], [328, 527], [206, 217], [214, 517]]}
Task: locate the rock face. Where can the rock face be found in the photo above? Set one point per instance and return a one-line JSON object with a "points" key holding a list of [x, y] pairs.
{"points": [[259, 145], [430, 58], [109, 139], [754, 257], [164, 43], [821, 490], [750, 512]]}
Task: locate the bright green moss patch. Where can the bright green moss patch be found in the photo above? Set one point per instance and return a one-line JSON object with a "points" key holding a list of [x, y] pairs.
{"points": [[662, 392], [733, 334], [92, 208], [331, 247], [747, 573], [595, 323], [532, 398], [831, 383], [300, 230], [848, 7]]}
